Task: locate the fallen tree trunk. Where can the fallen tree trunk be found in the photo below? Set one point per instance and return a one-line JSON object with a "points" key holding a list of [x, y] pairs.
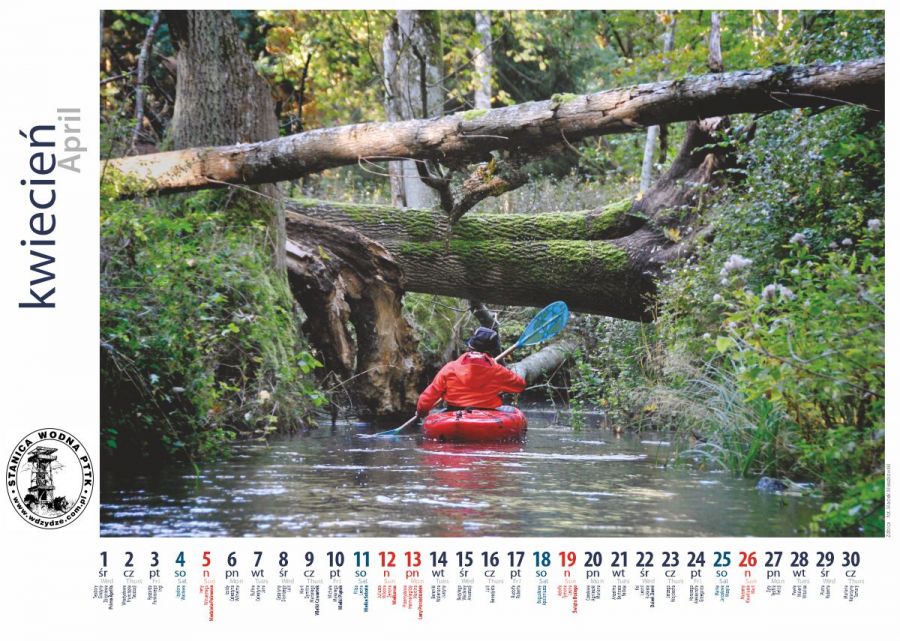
{"points": [[469, 136], [546, 360], [603, 262], [597, 276], [344, 278], [591, 276], [510, 259], [395, 226]]}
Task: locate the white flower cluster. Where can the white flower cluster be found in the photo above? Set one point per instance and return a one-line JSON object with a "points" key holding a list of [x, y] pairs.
{"points": [[770, 292], [798, 239], [873, 224], [734, 262]]}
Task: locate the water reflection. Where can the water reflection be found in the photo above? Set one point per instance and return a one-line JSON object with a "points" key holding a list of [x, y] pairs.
{"points": [[338, 483]]}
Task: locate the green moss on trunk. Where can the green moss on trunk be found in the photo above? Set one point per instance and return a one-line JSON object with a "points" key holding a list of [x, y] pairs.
{"points": [[472, 114], [383, 222], [547, 262]]}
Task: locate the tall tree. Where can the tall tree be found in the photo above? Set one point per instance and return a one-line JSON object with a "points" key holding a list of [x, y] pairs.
{"points": [[484, 60], [141, 79], [414, 75], [339, 279], [714, 57], [484, 69], [220, 99], [668, 18]]}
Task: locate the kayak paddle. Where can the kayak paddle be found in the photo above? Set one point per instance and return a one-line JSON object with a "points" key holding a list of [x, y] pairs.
{"points": [[548, 322]]}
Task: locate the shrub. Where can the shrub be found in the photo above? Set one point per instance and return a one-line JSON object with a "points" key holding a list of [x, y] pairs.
{"points": [[199, 334]]}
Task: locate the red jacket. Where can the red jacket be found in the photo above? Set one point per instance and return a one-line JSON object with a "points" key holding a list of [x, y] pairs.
{"points": [[472, 380]]}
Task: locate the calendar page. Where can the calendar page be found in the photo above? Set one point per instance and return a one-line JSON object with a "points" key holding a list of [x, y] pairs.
{"points": [[446, 321]]}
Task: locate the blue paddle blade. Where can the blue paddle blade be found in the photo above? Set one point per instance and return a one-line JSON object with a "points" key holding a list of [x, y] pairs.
{"points": [[549, 322]]}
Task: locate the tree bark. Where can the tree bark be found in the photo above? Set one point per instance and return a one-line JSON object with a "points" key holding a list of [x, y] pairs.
{"points": [[509, 259], [546, 360], [342, 280], [600, 277], [647, 164], [396, 226], [391, 55], [220, 99], [529, 127]]}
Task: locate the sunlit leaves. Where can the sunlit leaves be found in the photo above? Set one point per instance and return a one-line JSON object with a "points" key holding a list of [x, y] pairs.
{"points": [[329, 60]]}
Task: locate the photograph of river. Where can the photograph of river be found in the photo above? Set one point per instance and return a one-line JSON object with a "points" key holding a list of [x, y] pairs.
{"points": [[347, 255]]}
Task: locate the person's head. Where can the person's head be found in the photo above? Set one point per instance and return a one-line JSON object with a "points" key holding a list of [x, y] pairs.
{"points": [[485, 340]]}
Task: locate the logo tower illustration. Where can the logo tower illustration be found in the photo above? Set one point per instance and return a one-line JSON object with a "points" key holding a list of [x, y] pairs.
{"points": [[41, 459]]}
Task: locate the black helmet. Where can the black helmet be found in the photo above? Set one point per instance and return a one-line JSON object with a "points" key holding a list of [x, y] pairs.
{"points": [[485, 340]]}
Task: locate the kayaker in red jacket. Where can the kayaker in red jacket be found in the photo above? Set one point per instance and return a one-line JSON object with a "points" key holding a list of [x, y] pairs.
{"points": [[474, 379]]}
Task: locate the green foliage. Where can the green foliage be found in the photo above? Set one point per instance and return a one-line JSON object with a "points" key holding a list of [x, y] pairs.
{"points": [[815, 341], [860, 511], [541, 53], [774, 358], [325, 65], [788, 301], [198, 332], [750, 39], [613, 369], [750, 436], [441, 323]]}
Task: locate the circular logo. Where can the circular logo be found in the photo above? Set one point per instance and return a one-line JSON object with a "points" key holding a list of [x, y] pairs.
{"points": [[49, 478]]}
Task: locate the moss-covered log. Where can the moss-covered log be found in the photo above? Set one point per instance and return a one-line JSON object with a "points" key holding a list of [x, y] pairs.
{"points": [[528, 128], [394, 225], [590, 275], [603, 262]]}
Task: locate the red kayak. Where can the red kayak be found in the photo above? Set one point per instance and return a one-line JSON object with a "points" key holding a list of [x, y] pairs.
{"points": [[474, 425]]}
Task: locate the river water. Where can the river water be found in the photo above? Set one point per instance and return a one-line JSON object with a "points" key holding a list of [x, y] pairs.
{"points": [[342, 482]]}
